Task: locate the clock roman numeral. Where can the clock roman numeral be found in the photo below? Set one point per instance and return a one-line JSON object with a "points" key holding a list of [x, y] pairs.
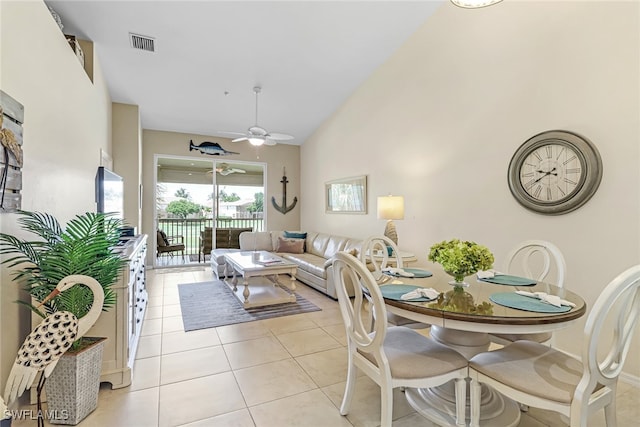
{"points": [[548, 193], [527, 174], [562, 150], [529, 184], [561, 192], [573, 170], [538, 156], [568, 181], [569, 160], [549, 150], [536, 193]]}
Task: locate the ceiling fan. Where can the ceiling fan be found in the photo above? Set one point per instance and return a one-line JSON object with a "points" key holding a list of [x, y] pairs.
{"points": [[257, 135], [224, 169]]}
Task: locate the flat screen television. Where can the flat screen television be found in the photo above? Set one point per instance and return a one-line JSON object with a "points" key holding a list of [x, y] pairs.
{"points": [[109, 192]]}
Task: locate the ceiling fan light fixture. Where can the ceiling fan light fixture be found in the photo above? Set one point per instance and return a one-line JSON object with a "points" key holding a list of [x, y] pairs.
{"points": [[256, 141], [474, 4]]}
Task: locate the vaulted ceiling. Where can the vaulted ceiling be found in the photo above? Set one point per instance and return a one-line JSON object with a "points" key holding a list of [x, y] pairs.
{"points": [[308, 57]]}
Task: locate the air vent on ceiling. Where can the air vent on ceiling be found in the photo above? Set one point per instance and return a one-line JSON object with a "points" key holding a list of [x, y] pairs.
{"points": [[142, 42]]}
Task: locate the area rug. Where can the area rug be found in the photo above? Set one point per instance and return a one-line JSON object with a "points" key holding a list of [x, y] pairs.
{"points": [[210, 304]]}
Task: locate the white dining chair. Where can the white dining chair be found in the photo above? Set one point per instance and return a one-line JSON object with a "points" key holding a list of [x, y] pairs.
{"points": [[543, 377], [533, 259], [392, 356], [375, 256]]}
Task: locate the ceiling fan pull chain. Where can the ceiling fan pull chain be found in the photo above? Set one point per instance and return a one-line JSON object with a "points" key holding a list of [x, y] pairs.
{"points": [[256, 90]]}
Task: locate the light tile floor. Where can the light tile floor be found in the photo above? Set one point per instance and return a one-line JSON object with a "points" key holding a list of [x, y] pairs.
{"points": [[288, 371]]}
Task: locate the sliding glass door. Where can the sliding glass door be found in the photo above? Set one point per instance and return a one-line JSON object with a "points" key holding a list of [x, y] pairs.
{"points": [[203, 204]]}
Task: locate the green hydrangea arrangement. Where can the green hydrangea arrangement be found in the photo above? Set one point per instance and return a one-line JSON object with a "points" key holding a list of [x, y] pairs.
{"points": [[461, 258]]}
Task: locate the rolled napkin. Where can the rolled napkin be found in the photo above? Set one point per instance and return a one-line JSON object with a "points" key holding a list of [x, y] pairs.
{"points": [[488, 274], [420, 293], [397, 272], [549, 299]]}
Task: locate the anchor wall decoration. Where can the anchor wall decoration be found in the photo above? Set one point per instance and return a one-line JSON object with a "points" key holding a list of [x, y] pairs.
{"points": [[284, 208]]}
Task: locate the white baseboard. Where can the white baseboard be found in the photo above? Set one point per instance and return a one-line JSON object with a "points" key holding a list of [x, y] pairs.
{"points": [[630, 379]]}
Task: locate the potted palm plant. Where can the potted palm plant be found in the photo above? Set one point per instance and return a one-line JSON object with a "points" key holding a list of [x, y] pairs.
{"points": [[85, 247]]}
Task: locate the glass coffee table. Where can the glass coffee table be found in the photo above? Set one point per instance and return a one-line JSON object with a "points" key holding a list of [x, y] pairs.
{"points": [[263, 268]]}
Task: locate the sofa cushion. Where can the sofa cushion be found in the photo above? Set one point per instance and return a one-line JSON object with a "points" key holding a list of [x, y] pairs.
{"points": [[334, 245], [318, 244], [293, 246], [256, 241], [308, 262]]}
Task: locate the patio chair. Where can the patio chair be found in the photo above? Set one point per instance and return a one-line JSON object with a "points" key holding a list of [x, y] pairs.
{"points": [[206, 243], [169, 244]]}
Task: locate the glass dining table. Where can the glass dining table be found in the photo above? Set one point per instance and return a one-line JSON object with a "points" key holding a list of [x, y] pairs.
{"points": [[463, 318]]}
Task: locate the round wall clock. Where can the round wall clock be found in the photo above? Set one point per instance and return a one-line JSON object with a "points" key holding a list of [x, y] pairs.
{"points": [[555, 172]]}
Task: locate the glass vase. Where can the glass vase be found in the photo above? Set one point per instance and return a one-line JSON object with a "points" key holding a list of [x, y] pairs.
{"points": [[458, 280]]}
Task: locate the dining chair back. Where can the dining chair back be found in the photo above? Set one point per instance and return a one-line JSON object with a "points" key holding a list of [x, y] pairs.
{"points": [[543, 377], [537, 259], [379, 252], [534, 259], [392, 356]]}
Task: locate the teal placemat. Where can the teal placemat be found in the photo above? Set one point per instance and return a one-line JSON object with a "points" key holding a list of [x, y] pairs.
{"points": [[417, 273], [506, 279], [521, 302], [394, 292]]}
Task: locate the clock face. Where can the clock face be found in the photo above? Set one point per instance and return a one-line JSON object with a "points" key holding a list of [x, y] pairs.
{"points": [[555, 172], [551, 172]]}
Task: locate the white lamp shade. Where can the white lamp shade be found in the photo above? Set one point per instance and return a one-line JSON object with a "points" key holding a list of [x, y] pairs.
{"points": [[473, 4], [390, 207]]}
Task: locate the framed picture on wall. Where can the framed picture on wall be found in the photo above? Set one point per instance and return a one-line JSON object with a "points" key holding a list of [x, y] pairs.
{"points": [[347, 195]]}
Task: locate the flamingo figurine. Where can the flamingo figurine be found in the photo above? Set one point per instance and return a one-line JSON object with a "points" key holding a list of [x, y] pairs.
{"points": [[46, 344]]}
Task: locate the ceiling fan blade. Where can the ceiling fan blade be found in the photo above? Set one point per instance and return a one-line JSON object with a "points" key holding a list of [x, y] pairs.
{"points": [[230, 133], [280, 136], [269, 141], [244, 138], [238, 170]]}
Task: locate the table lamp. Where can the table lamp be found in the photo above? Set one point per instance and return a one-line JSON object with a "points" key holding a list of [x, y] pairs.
{"points": [[390, 208]]}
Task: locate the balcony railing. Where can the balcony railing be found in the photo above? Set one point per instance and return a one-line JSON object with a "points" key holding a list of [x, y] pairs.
{"points": [[190, 229]]}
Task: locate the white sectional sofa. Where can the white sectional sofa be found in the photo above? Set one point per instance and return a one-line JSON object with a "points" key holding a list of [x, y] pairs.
{"points": [[313, 263]]}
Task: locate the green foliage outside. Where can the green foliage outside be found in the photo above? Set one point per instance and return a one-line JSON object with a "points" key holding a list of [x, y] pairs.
{"points": [[183, 207], [182, 193], [258, 203], [224, 197]]}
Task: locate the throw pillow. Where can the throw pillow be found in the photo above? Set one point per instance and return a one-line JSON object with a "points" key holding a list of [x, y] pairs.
{"points": [[296, 235], [291, 246]]}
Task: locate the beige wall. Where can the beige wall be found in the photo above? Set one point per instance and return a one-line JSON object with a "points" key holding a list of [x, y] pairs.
{"points": [[67, 122], [439, 122], [127, 157], [275, 157]]}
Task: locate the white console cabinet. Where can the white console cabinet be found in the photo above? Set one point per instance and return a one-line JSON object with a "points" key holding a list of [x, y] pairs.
{"points": [[122, 324]]}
